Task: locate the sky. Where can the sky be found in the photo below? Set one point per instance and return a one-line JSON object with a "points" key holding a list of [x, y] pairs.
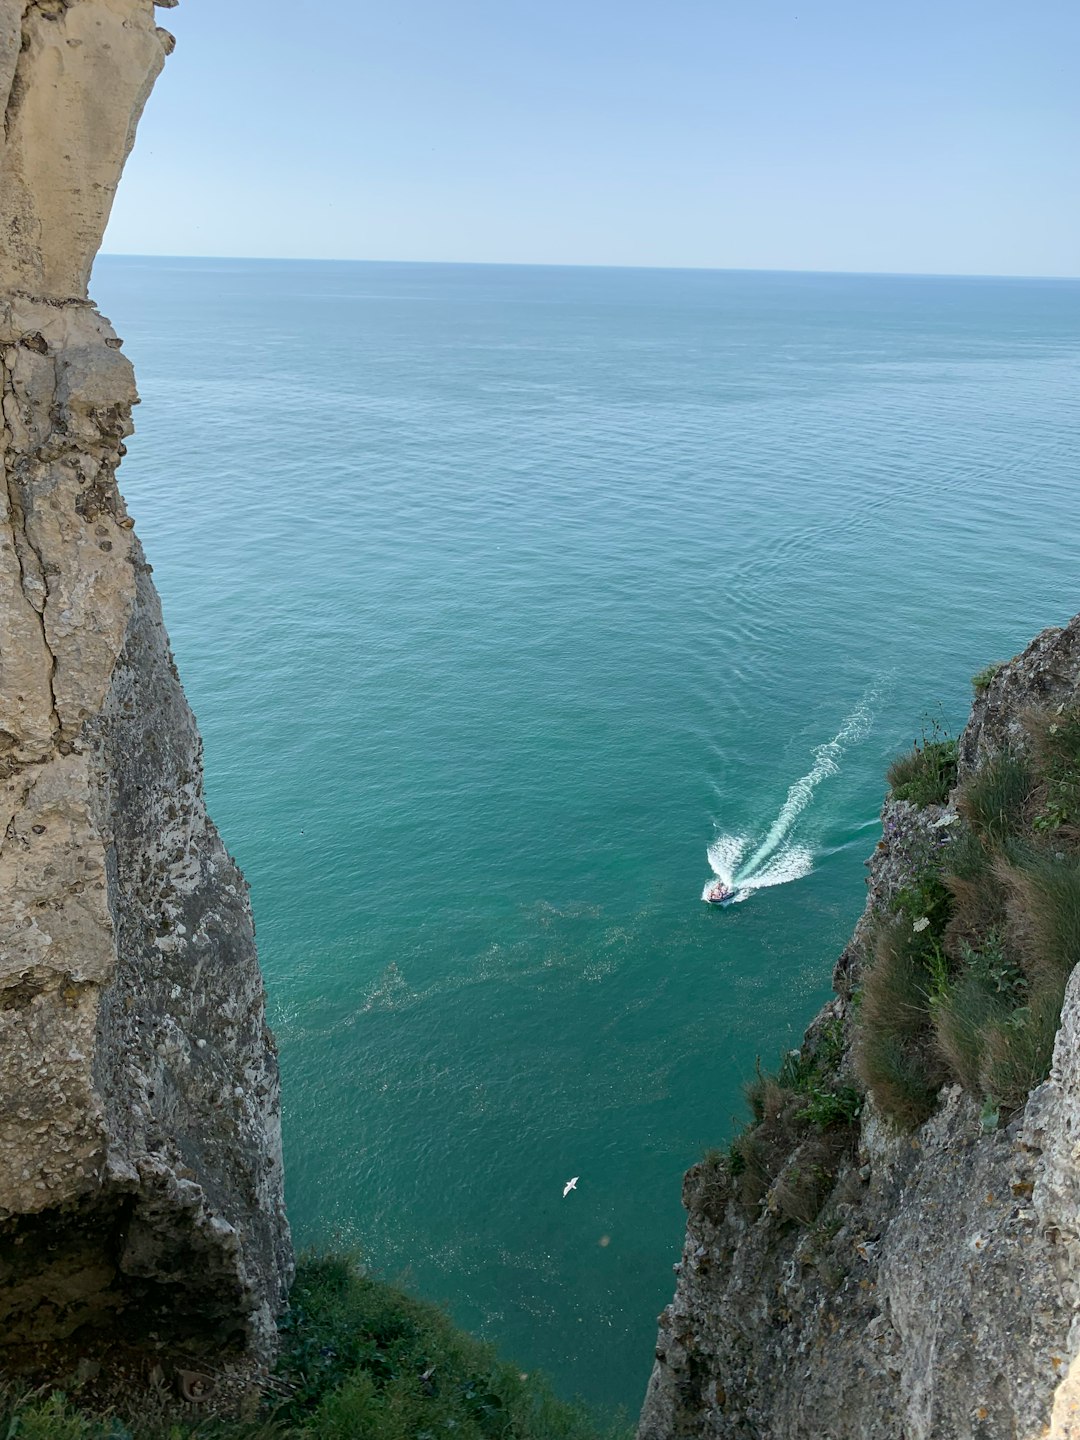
{"points": [[807, 135]]}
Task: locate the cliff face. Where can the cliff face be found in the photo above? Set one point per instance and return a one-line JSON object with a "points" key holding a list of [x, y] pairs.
{"points": [[913, 1284], [140, 1150]]}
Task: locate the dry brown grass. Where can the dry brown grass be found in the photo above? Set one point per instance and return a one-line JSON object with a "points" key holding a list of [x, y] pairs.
{"points": [[894, 1055], [1017, 1053], [806, 1182], [770, 1102], [960, 1020], [1044, 915], [896, 984]]}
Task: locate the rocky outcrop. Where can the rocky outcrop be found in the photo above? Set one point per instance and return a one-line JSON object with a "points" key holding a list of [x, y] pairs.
{"points": [[74, 77], [140, 1150], [935, 1294]]}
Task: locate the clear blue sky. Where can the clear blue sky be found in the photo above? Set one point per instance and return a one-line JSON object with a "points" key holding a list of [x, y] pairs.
{"points": [[809, 134]]}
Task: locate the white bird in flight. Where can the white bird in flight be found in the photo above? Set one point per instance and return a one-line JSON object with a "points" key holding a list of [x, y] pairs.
{"points": [[570, 1185]]}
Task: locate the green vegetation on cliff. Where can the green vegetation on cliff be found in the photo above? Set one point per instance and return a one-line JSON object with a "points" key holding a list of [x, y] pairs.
{"points": [[360, 1360], [803, 1128], [927, 773], [982, 681], [968, 971]]}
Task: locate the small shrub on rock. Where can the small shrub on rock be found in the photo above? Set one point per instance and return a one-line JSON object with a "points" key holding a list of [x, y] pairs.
{"points": [[981, 682]]}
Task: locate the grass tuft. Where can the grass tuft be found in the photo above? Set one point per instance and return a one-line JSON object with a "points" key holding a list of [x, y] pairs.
{"points": [[926, 774], [895, 1057], [994, 799], [1019, 1048], [1044, 903], [806, 1182], [988, 989], [978, 896], [896, 1076]]}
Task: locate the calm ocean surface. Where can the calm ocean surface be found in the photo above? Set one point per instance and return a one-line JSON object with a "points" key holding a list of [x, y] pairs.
{"points": [[501, 595]]}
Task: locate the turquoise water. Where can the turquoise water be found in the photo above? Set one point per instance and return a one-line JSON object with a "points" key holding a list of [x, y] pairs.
{"points": [[502, 594]]}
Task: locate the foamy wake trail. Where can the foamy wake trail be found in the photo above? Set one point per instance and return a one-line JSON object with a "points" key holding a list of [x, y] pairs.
{"points": [[776, 860], [725, 854]]}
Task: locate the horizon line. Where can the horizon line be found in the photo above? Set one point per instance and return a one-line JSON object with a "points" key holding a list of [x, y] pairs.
{"points": [[592, 265]]}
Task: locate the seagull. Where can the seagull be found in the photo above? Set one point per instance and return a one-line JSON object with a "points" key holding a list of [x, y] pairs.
{"points": [[570, 1185]]}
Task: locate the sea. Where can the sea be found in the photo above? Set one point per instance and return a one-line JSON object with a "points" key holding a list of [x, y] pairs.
{"points": [[516, 604]]}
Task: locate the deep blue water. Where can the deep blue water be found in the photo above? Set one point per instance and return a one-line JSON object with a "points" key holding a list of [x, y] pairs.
{"points": [[504, 593]]}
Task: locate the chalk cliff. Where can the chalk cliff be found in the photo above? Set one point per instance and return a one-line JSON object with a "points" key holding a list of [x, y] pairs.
{"points": [[883, 1282], [140, 1148]]}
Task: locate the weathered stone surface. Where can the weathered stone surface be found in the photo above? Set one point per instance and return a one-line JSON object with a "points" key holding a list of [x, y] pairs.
{"points": [[140, 1149], [1041, 677], [74, 77], [938, 1295]]}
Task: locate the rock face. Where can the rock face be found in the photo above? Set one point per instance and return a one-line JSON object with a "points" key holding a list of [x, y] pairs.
{"points": [[140, 1146], [936, 1296]]}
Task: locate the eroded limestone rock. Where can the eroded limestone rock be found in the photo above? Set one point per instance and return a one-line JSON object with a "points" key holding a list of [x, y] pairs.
{"points": [[74, 77], [140, 1148]]}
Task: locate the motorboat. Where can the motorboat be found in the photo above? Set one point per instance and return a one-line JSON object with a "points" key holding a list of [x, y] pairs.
{"points": [[719, 894]]}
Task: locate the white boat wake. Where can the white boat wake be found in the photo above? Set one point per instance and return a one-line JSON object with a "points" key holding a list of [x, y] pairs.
{"points": [[745, 866]]}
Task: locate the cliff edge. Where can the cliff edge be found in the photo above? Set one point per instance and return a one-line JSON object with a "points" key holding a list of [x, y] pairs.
{"points": [[140, 1146], [891, 1250]]}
